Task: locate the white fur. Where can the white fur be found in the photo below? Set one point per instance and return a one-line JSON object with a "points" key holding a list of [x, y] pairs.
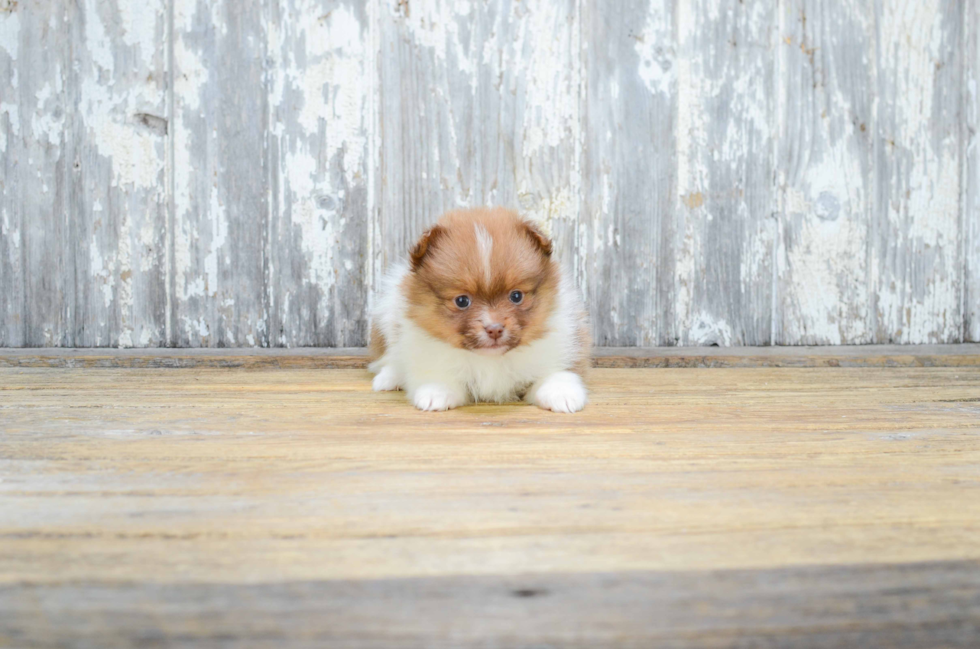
{"points": [[560, 392], [437, 375], [435, 396], [484, 242], [386, 380]]}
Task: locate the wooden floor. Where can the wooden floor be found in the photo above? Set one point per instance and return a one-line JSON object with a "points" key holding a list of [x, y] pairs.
{"points": [[814, 507]]}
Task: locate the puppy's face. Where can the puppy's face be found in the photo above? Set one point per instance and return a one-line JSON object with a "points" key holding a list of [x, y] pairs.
{"points": [[482, 280]]}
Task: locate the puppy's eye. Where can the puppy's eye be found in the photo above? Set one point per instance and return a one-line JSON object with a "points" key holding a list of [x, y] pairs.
{"points": [[462, 301], [516, 297]]}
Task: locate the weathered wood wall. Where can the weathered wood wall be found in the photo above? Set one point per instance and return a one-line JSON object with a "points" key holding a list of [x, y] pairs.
{"points": [[222, 173]]}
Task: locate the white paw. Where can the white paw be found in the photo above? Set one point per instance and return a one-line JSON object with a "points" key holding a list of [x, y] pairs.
{"points": [[561, 392], [386, 380], [433, 396]]}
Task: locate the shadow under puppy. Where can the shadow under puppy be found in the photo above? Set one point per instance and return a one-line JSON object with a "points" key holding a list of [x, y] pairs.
{"points": [[481, 312]]}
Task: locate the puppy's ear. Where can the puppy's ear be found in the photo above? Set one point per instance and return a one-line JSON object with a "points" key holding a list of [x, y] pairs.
{"points": [[540, 240], [425, 245]]}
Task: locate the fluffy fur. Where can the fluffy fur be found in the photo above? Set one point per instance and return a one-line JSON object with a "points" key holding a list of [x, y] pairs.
{"points": [[495, 349]]}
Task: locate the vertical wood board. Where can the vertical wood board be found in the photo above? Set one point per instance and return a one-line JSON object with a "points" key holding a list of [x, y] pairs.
{"points": [[221, 197], [479, 105], [825, 175], [916, 245], [119, 200], [722, 229], [37, 284], [630, 65], [321, 80]]}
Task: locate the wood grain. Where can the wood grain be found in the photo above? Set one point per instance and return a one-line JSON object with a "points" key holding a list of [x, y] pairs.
{"points": [[825, 174], [918, 152], [37, 286], [971, 207], [802, 507], [962, 355], [722, 227], [479, 105], [783, 607], [118, 204], [320, 87], [221, 170], [218, 174], [628, 181]]}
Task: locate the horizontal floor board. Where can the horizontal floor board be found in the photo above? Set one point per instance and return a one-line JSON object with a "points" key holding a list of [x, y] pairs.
{"points": [[886, 606], [962, 355]]}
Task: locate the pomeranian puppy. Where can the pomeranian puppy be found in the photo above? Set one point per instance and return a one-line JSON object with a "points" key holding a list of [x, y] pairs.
{"points": [[481, 312]]}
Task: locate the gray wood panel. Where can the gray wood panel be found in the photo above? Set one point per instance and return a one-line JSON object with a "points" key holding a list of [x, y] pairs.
{"points": [[479, 105], [204, 174], [628, 172], [221, 174], [971, 145], [37, 284], [321, 79], [825, 173], [722, 229], [118, 185], [916, 245]]}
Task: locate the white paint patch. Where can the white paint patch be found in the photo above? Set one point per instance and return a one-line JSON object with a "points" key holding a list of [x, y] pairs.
{"points": [[100, 273], [552, 108], [191, 78], [316, 223], [136, 161], [708, 330], [45, 126], [139, 25], [655, 49], [484, 243], [219, 235], [10, 33], [97, 42]]}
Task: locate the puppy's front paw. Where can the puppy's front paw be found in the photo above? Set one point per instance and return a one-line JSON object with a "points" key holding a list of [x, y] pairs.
{"points": [[386, 380], [561, 392], [433, 396]]}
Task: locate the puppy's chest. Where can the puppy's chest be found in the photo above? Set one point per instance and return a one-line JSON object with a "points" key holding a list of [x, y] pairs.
{"points": [[482, 388], [493, 380]]}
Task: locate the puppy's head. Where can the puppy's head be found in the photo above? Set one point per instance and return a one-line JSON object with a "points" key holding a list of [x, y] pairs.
{"points": [[482, 280]]}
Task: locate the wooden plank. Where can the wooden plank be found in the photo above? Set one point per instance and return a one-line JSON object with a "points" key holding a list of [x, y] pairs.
{"points": [[479, 105], [917, 224], [961, 355], [818, 507], [221, 175], [36, 244], [630, 63], [321, 94], [722, 232], [971, 203], [255, 358], [883, 606], [119, 198], [825, 172]]}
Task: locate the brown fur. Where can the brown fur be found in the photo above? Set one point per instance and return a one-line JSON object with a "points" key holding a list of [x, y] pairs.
{"points": [[447, 262]]}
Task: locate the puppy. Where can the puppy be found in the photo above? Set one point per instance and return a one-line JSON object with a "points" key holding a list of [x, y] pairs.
{"points": [[481, 312]]}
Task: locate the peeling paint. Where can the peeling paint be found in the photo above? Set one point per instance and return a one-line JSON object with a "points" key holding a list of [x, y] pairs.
{"points": [[713, 172], [10, 33]]}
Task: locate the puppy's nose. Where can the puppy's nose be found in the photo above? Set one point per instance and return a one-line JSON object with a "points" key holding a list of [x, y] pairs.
{"points": [[495, 330]]}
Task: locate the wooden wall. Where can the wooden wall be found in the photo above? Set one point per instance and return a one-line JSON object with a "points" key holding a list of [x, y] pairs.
{"points": [[226, 173]]}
